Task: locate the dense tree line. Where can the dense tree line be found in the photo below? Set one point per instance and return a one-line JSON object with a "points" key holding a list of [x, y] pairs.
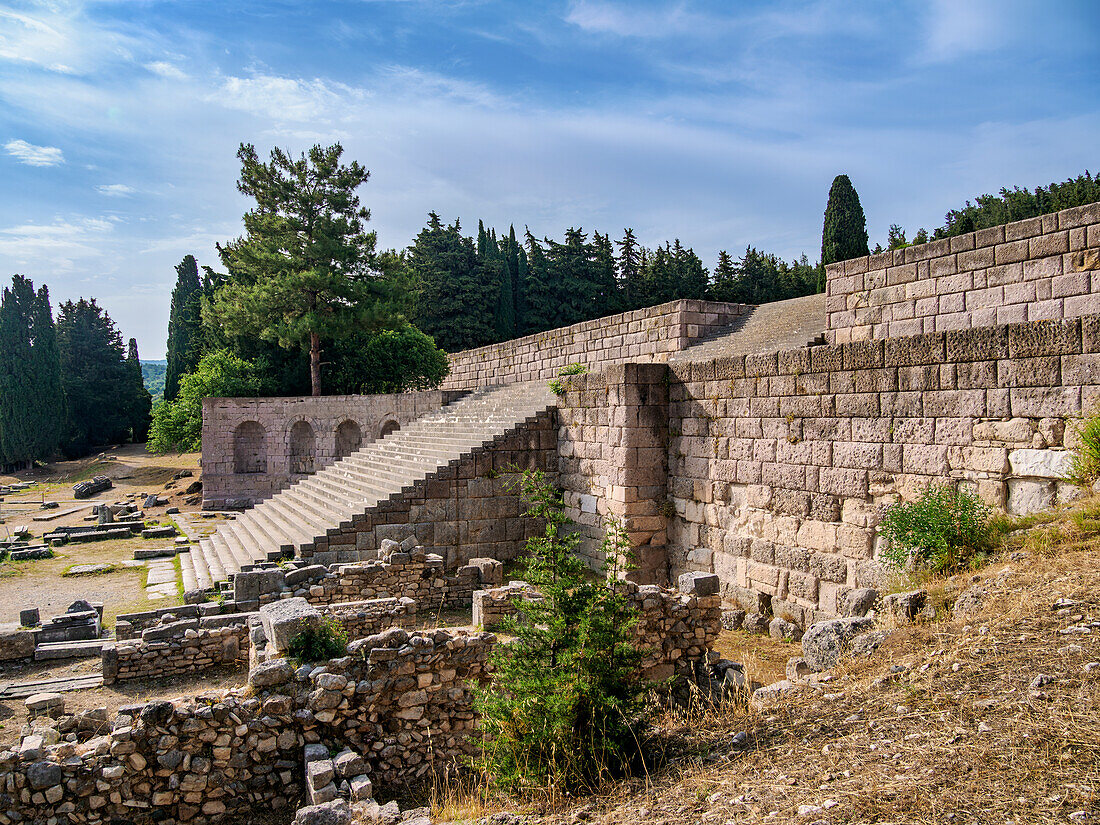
{"points": [[471, 292], [1010, 205], [71, 384]]}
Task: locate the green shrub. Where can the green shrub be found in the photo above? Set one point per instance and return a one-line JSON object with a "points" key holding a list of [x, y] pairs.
{"points": [[944, 530], [567, 695], [557, 385], [318, 643], [1086, 460]]}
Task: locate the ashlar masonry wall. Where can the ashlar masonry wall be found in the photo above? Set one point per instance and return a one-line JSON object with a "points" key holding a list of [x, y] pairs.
{"points": [[254, 447], [650, 334], [1043, 268]]}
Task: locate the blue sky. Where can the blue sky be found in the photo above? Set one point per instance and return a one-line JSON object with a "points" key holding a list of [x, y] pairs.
{"points": [[721, 123]]}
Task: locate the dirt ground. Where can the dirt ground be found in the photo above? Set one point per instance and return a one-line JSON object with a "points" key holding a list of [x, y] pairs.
{"points": [[41, 583]]}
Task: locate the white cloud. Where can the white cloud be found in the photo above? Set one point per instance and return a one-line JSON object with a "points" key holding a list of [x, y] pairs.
{"points": [[160, 67], [30, 155], [284, 98], [625, 21], [115, 190]]}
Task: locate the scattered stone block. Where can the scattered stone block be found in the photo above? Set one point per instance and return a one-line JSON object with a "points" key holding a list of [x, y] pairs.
{"points": [[29, 617], [904, 607], [51, 705], [859, 602], [824, 642], [699, 584]]}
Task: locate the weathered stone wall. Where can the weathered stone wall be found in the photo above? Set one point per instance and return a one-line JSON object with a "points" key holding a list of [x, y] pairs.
{"points": [[778, 464], [612, 448], [675, 630], [254, 447], [468, 509], [650, 334], [193, 650], [403, 700], [1037, 269]]}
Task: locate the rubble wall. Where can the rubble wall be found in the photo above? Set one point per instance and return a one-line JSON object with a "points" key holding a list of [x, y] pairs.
{"points": [[650, 334], [1044, 268]]}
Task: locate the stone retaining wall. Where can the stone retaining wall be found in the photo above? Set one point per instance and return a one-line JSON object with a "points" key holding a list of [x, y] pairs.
{"points": [[778, 465], [650, 334], [189, 651], [254, 447], [1037, 269]]}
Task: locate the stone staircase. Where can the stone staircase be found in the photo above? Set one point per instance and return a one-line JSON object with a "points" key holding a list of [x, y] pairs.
{"points": [[296, 517]]}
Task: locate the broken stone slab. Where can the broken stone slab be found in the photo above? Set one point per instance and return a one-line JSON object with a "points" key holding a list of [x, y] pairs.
{"points": [[824, 642], [285, 619], [904, 607], [89, 488], [859, 602], [756, 623], [348, 764], [699, 584], [143, 553], [270, 674], [82, 649], [169, 631], [158, 532], [782, 630], [16, 642], [336, 812], [89, 569], [361, 787], [51, 705], [733, 619], [40, 551], [29, 617]]}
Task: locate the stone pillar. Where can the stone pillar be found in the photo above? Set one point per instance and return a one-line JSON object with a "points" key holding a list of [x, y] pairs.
{"points": [[637, 400]]}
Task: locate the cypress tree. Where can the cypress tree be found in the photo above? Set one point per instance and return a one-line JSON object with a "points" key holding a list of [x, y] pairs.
{"points": [[516, 261], [844, 232], [538, 289], [725, 287], [494, 269], [139, 402], [184, 326], [49, 396], [606, 292], [18, 417]]}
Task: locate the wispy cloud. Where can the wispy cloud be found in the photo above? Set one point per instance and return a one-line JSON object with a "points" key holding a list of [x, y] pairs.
{"points": [[31, 155], [284, 98], [115, 190], [165, 69], [624, 20]]}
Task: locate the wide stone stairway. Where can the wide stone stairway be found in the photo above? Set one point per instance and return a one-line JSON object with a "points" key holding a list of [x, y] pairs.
{"points": [[780, 325], [307, 510]]}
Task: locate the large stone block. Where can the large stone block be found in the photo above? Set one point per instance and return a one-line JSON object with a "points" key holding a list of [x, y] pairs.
{"points": [[1056, 464], [16, 642], [285, 619]]}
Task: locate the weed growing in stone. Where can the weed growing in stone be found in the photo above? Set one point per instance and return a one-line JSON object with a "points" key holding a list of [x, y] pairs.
{"points": [[942, 531], [1086, 460], [566, 700], [557, 386], [319, 643]]}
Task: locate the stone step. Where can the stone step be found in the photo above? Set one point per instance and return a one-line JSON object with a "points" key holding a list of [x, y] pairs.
{"points": [[332, 498], [187, 570]]}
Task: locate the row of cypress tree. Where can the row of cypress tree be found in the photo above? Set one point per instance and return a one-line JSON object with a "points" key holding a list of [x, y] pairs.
{"points": [[469, 292], [69, 385]]}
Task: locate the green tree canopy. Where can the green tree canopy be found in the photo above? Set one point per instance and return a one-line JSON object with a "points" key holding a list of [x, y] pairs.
{"points": [[177, 424], [392, 360], [844, 232], [139, 401], [301, 272]]}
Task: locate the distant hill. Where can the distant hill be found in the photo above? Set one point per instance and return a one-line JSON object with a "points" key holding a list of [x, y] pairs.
{"points": [[152, 373]]}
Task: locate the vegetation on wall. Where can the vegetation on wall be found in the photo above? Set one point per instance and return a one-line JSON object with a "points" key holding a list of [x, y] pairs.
{"points": [[943, 531]]}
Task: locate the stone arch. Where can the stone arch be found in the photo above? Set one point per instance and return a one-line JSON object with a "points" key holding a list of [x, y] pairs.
{"points": [[388, 426], [348, 438], [250, 448], [303, 448]]}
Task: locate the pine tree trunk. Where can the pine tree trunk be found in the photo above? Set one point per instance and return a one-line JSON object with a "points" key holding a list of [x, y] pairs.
{"points": [[315, 363]]}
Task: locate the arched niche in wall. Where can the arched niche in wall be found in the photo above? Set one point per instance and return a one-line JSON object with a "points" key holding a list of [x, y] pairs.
{"points": [[250, 448], [388, 426], [303, 448], [348, 438]]}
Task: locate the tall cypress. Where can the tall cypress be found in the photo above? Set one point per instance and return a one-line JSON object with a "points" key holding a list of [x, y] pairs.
{"points": [[494, 269], [18, 418], [844, 232], [606, 292], [49, 395], [538, 289], [184, 326], [630, 271], [516, 261], [139, 402]]}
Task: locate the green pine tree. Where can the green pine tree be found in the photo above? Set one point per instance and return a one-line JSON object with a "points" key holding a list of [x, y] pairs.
{"points": [[539, 291], [184, 325], [630, 272], [301, 273], [604, 277]]}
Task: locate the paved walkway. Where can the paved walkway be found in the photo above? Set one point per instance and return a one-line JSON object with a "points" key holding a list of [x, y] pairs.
{"points": [[780, 325]]}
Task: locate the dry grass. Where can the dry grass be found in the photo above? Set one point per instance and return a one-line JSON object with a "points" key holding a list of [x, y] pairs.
{"points": [[940, 726]]}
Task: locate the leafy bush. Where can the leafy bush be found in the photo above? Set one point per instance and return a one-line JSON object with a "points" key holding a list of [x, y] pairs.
{"points": [[394, 360], [557, 385], [567, 695], [944, 530], [177, 424], [1086, 460], [319, 643]]}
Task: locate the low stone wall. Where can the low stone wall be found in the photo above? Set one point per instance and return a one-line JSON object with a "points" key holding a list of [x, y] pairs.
{"points": [[365, 618], [254, 447], [1044, 268], [675, 630], [467, 510], [190, 651], [403, 700], [650, 334]]}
